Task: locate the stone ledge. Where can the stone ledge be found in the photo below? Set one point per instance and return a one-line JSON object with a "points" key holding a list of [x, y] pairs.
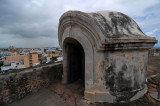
{"points": [[102, 97], [98, 96]]}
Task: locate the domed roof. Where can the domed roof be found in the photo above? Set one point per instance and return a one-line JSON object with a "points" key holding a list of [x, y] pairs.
{"points": [[105, 27], [112, 24], [117, 25]]}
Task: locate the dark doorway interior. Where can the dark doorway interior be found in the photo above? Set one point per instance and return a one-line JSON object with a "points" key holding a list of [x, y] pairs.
{"points": [[76, 62]]}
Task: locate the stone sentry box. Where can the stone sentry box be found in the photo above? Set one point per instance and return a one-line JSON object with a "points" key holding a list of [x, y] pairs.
{"points": [[108, 51]]}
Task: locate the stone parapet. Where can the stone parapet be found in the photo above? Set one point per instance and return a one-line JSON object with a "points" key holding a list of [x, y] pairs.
{"points": [[14, 86]]}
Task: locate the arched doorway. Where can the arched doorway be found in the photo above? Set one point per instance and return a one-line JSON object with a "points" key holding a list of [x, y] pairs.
{"points": [[75, 61]]}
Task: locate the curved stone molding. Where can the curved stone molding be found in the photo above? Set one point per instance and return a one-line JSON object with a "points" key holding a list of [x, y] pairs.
{"points": [[88, 51], [109, 28], [83, 20], [115, 54]]}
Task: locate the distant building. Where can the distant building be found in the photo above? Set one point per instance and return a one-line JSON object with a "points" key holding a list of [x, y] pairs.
{"points": [[59, 59], [48, 60], [34, 59], [36, 51], [154, 52], [31, 60], [5, 53], [1, 59], [6, 67], [53, 55], [13, 58], [9, 66], [58, 51]]}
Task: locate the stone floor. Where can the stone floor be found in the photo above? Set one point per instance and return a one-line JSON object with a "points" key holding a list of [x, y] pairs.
{"points": [[72, 95], [43, 97]]}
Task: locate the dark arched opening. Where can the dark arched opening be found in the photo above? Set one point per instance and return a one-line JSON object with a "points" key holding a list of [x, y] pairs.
{"points": [[75, 61]]}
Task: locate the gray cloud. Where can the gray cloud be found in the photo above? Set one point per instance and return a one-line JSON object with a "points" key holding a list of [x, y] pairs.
{"points": [[34, 23], [24, 20]]}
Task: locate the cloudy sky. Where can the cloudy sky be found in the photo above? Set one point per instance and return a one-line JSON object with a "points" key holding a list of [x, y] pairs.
{"points": [[34, 23]]}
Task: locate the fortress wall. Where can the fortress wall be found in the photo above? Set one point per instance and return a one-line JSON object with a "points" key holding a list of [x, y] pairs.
{"points": [[15, 85]]}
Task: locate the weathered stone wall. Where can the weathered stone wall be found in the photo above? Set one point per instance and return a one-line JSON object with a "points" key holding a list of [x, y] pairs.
{"points": [[14, 86]]}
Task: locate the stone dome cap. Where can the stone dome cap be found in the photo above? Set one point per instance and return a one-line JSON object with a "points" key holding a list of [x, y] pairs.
{"points": [[117, 25], [107, 27]]}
